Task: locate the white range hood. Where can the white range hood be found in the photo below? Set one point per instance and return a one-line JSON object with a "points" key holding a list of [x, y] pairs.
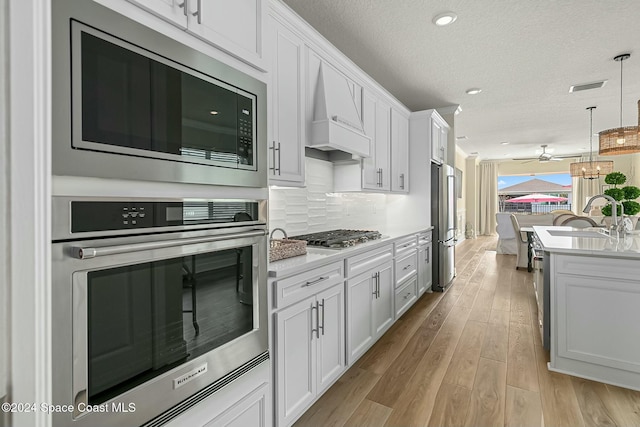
{"points": [[336, 124]]}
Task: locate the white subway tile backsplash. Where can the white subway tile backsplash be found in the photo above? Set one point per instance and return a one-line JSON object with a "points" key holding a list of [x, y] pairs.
{"points": [[317, 208]]}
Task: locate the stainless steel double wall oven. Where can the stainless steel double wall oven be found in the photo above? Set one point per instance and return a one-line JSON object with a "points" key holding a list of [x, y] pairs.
{"points": [[157, 303]]}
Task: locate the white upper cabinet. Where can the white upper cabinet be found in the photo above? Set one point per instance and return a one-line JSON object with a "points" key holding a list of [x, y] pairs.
{"points": [[174, 11], [383, 144], [236, 27], [399, 152], [439, 135], [375, 117], [286, 148]]}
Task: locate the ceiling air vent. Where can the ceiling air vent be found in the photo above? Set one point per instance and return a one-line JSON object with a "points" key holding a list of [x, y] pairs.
{"points": [[587, 86]]}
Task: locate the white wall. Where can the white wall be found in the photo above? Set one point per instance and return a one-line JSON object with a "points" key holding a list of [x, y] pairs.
{"points": [[471, 193], [317, 208], [461, 206], [4, 204]]}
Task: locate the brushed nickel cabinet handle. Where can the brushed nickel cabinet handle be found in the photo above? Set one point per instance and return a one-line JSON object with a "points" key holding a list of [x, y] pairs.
{"points": [[279, 158], [198, 12], [314, 307], [322, 327], [184, 6], [313, 282]]}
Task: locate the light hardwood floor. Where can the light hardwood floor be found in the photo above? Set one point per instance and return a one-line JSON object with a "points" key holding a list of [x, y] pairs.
{"points": [[469, 357]]}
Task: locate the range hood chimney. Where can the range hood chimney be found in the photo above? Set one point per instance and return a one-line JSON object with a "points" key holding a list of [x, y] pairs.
{"points": [[336, 126]]}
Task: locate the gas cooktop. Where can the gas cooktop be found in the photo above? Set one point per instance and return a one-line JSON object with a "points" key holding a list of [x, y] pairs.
{"points": [[338, 239]]}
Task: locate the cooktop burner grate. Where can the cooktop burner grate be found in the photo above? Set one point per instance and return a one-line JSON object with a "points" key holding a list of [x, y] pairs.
{"points": [[338, 238]]}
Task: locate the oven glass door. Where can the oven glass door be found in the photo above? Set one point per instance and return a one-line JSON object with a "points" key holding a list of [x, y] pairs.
{"points": [[130, 101], [136, 321]]}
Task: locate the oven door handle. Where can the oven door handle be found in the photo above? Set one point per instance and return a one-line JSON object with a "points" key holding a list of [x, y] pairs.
{"points": [[88, 253]]}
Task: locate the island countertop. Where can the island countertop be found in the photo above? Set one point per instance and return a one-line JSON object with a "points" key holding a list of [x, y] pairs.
{"points": [[627, 246]]}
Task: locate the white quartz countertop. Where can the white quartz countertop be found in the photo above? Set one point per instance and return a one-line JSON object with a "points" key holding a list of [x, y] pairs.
{"points": [[317, 257], [627, 246]]}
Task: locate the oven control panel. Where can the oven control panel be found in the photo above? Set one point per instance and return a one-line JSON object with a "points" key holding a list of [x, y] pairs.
{"points": [[103, 216], [90, 216]]}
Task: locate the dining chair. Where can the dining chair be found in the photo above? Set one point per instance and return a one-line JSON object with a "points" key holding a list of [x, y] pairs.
{"points": [[558, 220], [580, 222], [522, 253]]}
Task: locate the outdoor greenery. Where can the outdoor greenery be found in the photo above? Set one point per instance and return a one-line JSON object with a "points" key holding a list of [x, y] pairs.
{"points": [[626, 195]]}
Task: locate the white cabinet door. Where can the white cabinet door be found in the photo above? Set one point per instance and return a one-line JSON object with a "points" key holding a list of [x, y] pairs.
{"points": [[424, 269], [439, 133], [370, 171], [383, 143], [444, 135], [359, 297], [235, 26], [295, 359], [400, 152], [286, 151], [173, 11], [331, 353], [383, 304]]}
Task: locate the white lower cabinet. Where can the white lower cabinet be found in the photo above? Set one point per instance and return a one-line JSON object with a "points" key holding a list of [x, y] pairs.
{"points": [[309, 345], [406, 295], [370, 306], [244, 402], [425, 266]]}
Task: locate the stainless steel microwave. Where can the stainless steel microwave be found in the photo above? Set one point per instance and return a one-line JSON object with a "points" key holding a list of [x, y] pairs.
{"points": [[131, 103]]}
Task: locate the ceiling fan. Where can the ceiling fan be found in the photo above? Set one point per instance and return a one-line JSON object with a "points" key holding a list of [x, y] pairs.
{"points": [[544, 157]]}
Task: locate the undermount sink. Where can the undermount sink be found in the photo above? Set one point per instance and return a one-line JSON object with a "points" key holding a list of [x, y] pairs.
{"points": [[597, 234]]}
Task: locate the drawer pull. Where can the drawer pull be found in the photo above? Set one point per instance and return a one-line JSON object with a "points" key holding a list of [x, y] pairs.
{"points": [[313, 282], [407, 267]]}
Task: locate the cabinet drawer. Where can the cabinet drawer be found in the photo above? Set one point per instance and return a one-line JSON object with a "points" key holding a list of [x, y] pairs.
{"points": [[406, 295], [593, 266], [405, 244], [369, 260], [424, 238], [406, 267], [296, 288]]}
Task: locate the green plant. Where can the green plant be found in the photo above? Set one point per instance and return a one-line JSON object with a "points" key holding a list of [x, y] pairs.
{"points": [[625, 195]]}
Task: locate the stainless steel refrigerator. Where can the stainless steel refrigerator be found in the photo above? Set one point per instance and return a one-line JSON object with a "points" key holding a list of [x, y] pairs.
{"points": [[443, 218]]}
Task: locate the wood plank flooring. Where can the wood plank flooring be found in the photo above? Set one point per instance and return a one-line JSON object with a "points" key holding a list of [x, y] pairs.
{"points": [[471, 356]]}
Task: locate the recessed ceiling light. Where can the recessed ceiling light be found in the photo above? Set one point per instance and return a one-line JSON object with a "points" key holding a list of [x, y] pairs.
{"points": [[474, 91], [445, 18], [459, 138], [213, 113], [504, 143]]}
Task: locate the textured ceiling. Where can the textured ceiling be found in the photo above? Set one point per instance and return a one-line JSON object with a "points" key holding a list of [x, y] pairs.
{"points": [[524, 54]]}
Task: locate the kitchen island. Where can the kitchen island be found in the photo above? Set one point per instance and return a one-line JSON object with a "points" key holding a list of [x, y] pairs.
{"points": [[594, 304]]}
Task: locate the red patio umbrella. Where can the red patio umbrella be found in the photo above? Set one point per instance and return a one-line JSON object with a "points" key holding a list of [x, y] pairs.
{"points": [[537, 198]]}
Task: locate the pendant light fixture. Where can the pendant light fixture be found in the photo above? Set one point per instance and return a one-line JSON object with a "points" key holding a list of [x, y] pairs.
{"points": [[623, 139], [591, 169]]}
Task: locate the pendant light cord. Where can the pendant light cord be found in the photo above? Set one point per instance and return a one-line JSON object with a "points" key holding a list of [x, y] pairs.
{"points": [[590, 135], [621, 61]]}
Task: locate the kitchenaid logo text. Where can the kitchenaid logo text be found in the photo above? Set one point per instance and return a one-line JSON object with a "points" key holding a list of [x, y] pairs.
{"points": [[183, 379]]}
